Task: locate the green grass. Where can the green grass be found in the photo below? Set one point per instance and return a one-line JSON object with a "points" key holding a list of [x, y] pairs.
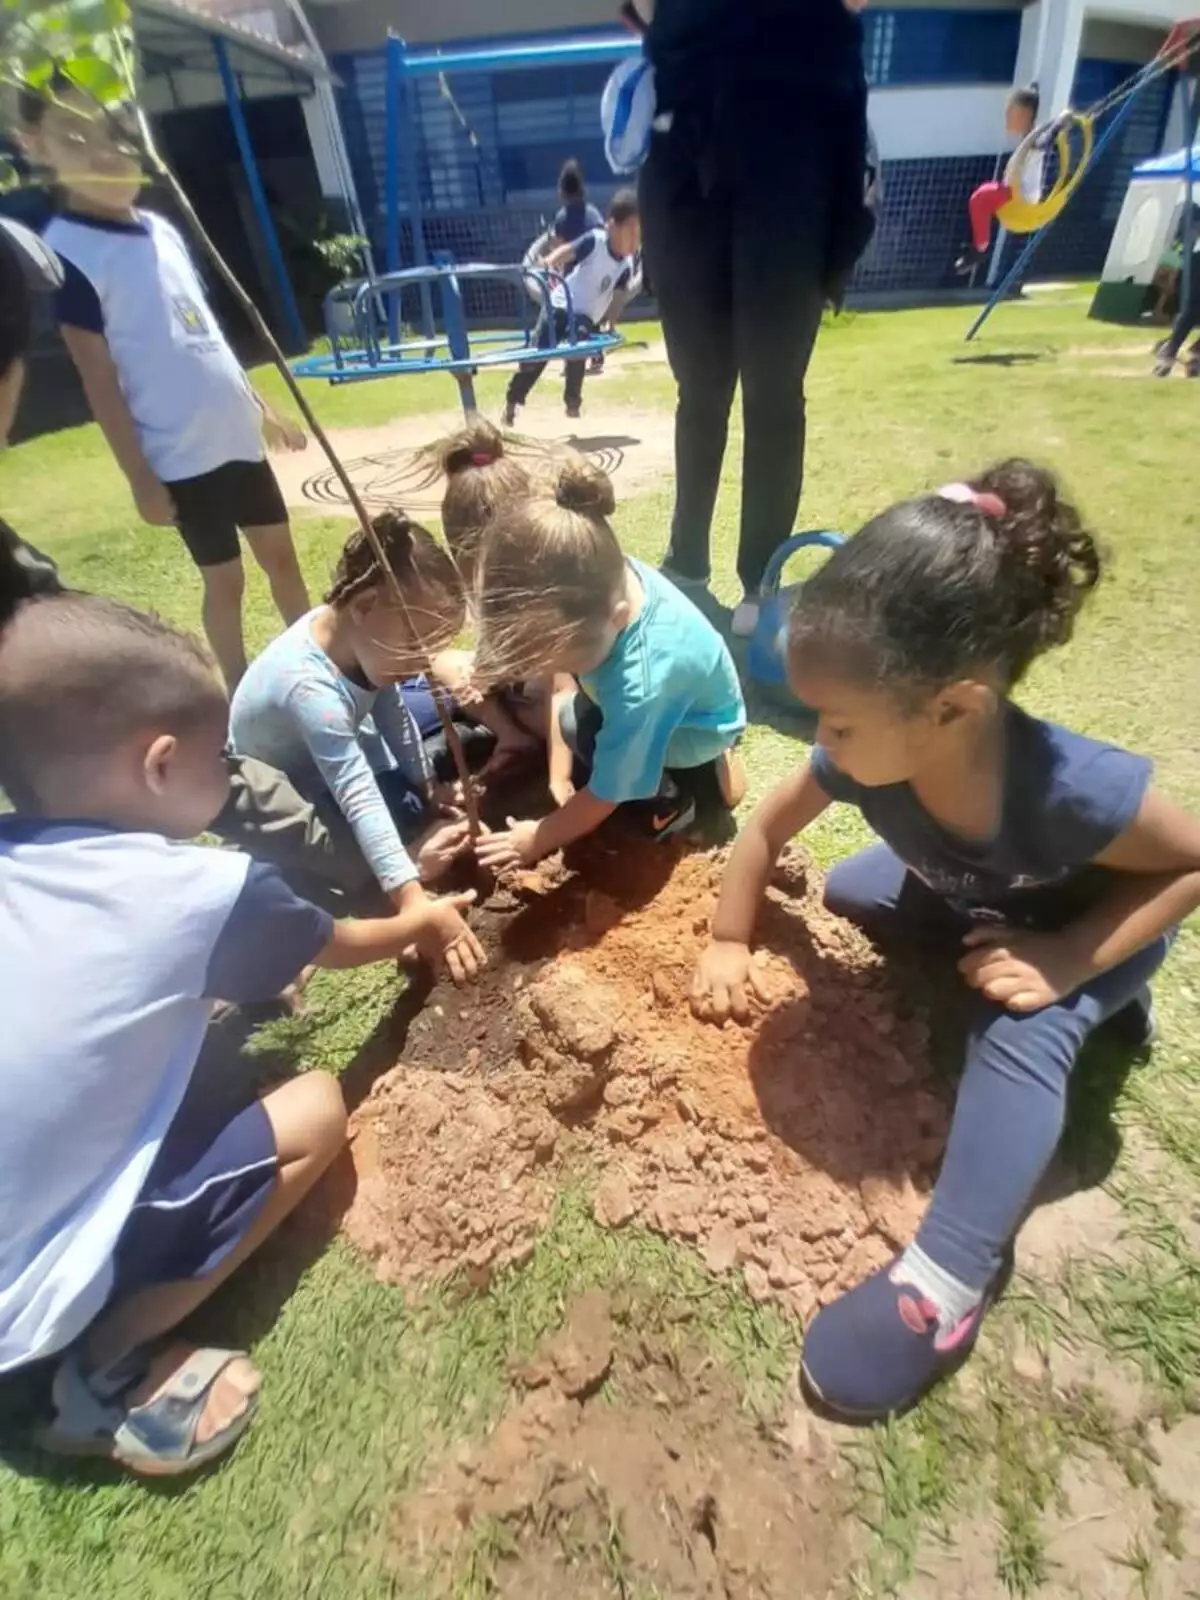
{"points": [[362, 1388]]}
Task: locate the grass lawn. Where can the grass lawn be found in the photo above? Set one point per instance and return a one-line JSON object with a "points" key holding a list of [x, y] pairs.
{"points": [[362, 1389]]}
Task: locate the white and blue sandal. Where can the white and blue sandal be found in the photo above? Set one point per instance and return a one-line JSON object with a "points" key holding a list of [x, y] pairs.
{"points": [[157, 1438]]}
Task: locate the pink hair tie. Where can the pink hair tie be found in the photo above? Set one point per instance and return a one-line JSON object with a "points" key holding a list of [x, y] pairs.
{"points": [[983, 500], [482, 459]]}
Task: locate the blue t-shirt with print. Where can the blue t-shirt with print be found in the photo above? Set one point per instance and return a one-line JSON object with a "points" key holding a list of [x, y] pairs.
{"points": [[1066, 798], [668, 692]]}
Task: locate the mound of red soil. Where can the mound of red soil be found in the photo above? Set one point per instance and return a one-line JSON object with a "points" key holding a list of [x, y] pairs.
{"points": [[670, 1486], [796, 1150]]}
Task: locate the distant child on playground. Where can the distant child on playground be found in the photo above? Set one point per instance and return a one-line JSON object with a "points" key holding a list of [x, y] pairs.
{"points": [[131, 1185], [177, 409], [596, 265], [336, 704], [1042, 863], [647, 708], [576, 215]]}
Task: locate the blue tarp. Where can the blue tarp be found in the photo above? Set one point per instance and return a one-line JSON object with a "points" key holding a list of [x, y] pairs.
{"points": [[1170, 166]]}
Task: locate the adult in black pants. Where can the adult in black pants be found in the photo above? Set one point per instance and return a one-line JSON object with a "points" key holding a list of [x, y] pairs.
{"points": [[753, 215]]}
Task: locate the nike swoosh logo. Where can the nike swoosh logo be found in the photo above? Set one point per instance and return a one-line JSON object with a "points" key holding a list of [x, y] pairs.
{"points": [[659, 823]]}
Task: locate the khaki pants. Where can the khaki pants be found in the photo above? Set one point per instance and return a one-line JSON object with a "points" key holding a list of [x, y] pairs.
{"points": [[315, 850]]}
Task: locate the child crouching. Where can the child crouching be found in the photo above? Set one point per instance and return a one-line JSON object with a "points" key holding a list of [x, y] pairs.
{"points": [[648, 708], [126, 1197]]}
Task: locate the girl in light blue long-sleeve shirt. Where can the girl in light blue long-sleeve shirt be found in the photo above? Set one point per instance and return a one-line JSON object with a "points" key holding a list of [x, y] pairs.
{"points": [[325, 704]]}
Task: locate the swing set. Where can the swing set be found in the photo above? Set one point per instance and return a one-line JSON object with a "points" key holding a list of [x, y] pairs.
{"points": [[1073, 138], [363, 319]]}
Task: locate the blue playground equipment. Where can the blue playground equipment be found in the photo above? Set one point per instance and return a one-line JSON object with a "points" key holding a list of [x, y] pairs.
{"points": [[373, 349], [766, 659]]}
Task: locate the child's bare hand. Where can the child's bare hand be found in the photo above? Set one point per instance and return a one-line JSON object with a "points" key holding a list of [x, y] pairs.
{"points": [[516, 847], [445, 937], [562, 789], [441, 846], [280, 433], [719, 987], [153, 501], [1020, 970]]}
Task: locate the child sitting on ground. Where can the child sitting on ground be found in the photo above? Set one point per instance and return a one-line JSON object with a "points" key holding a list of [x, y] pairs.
{"points": [[327, 704], [127, 1193], [647, 705], [597, 265], [1042, 862], [186, 428]]}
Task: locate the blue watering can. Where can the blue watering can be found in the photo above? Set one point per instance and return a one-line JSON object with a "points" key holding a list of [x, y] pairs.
{"points": [[766, 660]]}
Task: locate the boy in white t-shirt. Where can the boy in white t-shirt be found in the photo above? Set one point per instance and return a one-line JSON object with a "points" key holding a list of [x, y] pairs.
{"points": [[131, 1186], [169, 394], [597, 265]]}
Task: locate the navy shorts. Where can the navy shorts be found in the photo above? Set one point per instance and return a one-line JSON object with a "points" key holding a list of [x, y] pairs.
{"points": [[211, 508], [212, 1176]]}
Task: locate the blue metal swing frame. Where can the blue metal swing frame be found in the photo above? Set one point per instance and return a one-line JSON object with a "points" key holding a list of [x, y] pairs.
{"points": [[376, 304]]}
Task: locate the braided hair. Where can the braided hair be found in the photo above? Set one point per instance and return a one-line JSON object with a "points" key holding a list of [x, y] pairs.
{"points": [[935, 590], [412, 553]]}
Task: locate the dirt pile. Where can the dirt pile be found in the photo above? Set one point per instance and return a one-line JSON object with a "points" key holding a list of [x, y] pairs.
{"points": [[666, 1484], [796, 1150]]}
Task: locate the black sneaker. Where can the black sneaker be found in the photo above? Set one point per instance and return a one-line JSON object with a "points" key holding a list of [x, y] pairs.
{"points": [[1135, 1026], [509, 415], [574, 409]]}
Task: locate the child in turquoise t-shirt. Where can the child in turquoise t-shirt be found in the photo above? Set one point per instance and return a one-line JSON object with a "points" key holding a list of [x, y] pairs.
{"points": [[647, 708]]}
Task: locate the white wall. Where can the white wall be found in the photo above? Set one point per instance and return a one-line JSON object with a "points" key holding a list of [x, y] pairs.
{"points": [[364, 24], [932, 121]]}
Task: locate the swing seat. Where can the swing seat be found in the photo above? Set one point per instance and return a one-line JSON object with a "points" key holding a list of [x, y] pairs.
{"points": [[1020, 215]]}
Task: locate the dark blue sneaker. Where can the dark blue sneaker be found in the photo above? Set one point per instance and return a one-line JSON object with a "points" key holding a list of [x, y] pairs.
{"points": [[877, 1349]]}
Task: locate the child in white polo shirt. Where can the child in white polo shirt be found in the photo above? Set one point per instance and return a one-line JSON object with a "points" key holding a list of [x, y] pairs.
{"points": [[130, 1186], [172, 400], [597, 265]]}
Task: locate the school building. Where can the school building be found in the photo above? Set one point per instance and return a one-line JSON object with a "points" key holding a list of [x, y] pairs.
{"points": [[490, 142]]}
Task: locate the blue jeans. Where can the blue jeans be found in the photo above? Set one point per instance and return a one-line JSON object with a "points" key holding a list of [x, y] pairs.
{"points": [[1012, 1100]]}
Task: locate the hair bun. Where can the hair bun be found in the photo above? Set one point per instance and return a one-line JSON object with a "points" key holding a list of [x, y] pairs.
{"points": [[582, 487], [480, 445]]}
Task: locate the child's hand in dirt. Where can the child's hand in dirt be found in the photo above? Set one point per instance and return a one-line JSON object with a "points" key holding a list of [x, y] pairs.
{"points": [[517, 847], [719, 987], [1020, 970], [153, 501], [445, 937], [280, 433], [442, 845], [562, 789]]}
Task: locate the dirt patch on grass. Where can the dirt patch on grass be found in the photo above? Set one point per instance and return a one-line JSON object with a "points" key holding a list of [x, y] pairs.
{"points": [[634, 445], [661, 1482], [796, 1151]]}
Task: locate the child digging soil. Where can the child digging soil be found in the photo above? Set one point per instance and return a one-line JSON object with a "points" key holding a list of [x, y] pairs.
{"points": [[1041, 862], [128, 1191], [647, 705]]}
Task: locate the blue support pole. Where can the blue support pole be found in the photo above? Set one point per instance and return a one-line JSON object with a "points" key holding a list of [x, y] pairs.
{"points": [[410, 132], [1017, 270], [293, 327], [1189, 221], [571, 52], [391, 174]]}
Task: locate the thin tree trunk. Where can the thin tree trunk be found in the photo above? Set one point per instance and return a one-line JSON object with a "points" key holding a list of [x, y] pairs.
{"points": [[258, 322]]}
